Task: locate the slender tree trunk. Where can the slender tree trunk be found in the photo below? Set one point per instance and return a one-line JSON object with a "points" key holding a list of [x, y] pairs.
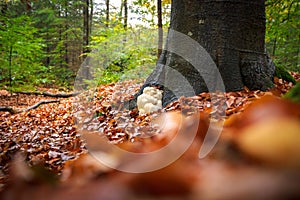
{"points": [[10, 67], [91, 15], [125, 14], [160, 26], [60, 38], [66, 35], [107, 13], [86, 31], [47, 47], [86, 26]]}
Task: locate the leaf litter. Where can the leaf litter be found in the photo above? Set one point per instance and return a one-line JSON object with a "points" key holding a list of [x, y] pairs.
{"points": [[49, 136]]}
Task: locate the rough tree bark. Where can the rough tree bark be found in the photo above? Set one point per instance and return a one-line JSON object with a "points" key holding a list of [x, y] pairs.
{"points": [[231, 31]]}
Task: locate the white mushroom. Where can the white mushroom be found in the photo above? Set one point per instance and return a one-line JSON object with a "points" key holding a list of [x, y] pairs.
{"points": [[150, 100]]}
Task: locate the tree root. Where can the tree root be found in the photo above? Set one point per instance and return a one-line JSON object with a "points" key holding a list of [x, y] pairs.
{"points": [[47, 94], [14, 111], [9, 109]]}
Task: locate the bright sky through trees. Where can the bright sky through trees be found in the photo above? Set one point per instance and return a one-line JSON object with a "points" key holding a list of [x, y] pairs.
{"points": [[133, 18]]}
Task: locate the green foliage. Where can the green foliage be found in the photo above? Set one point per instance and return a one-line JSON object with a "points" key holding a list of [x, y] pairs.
{"points": [[40, 46], [122, 54], [282, 73], [294, 94], [51, 76], [21, 51], [43, 44], [283, 32], [58, 25]]}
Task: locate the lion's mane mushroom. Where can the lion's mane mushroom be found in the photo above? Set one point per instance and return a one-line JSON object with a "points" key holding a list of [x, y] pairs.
{"points": [[150, 100]]}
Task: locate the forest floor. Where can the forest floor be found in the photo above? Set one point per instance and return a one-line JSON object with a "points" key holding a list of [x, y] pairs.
{"points": [[49, 137]]}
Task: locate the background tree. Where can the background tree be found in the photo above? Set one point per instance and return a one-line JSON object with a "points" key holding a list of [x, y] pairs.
{"points": [[86, 25], [234, 36], [107, 12], [160, 27], [283, 36], [125, 3]]}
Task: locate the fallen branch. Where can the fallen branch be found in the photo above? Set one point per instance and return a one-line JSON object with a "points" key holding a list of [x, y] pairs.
{"points": [[40, 103], [47, 94], [9, 109], [13, 111]]}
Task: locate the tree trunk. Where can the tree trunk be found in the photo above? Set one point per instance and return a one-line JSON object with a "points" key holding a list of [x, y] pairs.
{"points": [[107, 13], [125, 14], [47, 47], [231, 31], [91, 15], [86, 26], [86, 37], [60, 39], [10, 67], [66, 35], [160, 31]]}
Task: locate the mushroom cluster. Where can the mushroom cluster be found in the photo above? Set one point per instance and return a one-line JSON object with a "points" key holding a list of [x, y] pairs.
{"points": [[150, 100]]}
